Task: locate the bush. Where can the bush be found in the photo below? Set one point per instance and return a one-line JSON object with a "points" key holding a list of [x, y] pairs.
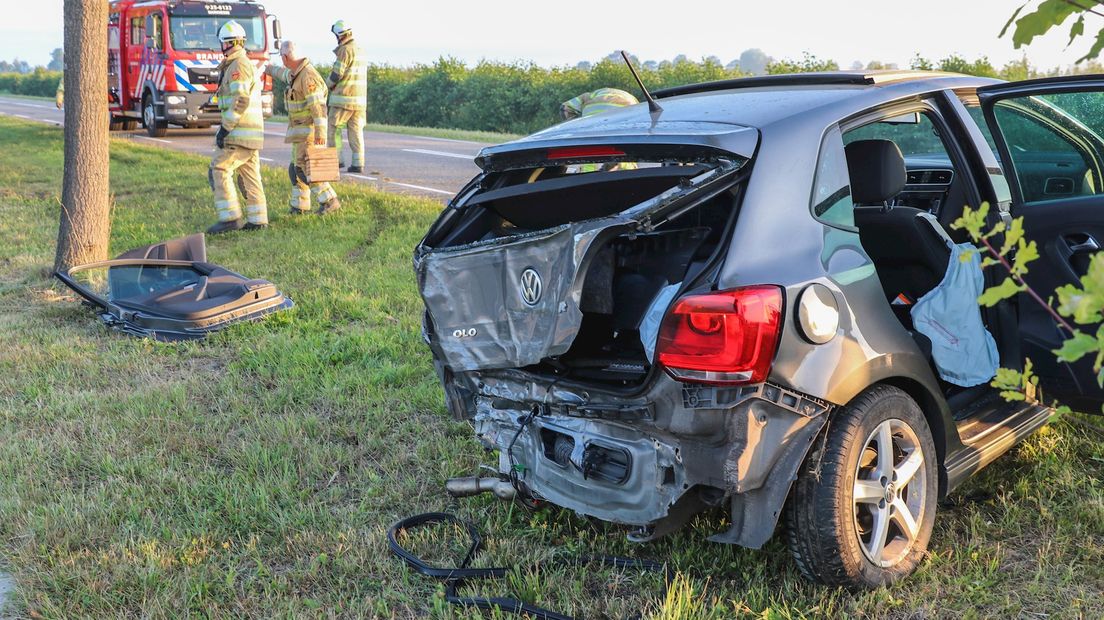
{"points": [[39, 83], [517, 97]]}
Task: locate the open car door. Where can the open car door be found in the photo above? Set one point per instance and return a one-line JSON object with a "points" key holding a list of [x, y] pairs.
{"points": [[168, 291], [1049, 136]]}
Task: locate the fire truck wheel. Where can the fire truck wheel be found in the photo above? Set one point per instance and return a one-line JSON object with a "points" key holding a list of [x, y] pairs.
{"points": [[154, 127]]}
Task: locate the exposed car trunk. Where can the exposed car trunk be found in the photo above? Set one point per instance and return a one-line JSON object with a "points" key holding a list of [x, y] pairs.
{"points": [[553, 268]]}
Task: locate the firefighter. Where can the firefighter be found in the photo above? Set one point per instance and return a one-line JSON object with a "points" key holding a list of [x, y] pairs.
{"points": [[348, 96], [239, 138], [59, 96], [305, 100], [596, 102]]}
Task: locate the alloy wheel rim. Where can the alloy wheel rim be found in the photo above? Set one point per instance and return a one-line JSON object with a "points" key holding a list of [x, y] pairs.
{"points": [[148, 115], [889, 493]]}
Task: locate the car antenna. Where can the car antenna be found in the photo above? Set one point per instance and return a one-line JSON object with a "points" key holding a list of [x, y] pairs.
{"points": [[653, 107]]}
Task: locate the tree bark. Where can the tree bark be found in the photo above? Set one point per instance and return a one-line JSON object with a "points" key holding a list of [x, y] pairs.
{"points": [[85, 208]]}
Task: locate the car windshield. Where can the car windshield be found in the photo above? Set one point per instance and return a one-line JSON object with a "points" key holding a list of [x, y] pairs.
{"points": [[200, 32]]}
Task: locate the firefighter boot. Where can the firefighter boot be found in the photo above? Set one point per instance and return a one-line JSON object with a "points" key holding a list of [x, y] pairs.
{"points": [[252, 226], [225, 227], [329, 206], [355, 170]]}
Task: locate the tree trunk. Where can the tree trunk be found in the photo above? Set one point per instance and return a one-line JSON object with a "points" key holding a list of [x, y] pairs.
{"points": [[86, 212]]}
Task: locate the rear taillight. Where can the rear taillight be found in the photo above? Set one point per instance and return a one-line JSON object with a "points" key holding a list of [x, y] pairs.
{"points": [[580, 152], [727, 338]]}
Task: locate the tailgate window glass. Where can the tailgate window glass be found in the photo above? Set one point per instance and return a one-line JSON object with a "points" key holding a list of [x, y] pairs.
{"points": [[831, 200]]}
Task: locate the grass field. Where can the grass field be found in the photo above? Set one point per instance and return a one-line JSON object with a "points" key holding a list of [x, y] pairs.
{"points": [[255, 474]]}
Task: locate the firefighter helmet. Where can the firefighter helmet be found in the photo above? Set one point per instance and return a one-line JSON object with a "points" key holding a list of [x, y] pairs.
{"points": [[340, 28], [231, 31]]}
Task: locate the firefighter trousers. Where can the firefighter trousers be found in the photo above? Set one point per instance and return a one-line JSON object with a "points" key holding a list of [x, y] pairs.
{"points": [[301, 192], [353, 122], [244, 163]]}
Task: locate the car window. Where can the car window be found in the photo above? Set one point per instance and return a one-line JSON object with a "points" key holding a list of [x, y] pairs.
{"points": [[983, 127], [831, 202], [1054, 143], [920, 139]]}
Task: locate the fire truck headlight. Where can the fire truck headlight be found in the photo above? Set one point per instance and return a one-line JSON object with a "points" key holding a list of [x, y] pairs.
{"points": [[175, 100]]}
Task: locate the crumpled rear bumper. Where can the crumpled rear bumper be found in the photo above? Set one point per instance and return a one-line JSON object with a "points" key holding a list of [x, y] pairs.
{"points": [[634, 461]]}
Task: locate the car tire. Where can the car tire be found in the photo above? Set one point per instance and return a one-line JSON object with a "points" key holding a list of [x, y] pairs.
{"points": [[154, 127], [847, 494]]}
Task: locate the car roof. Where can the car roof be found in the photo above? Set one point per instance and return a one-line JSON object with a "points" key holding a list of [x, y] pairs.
{"points": [[729, 106]]}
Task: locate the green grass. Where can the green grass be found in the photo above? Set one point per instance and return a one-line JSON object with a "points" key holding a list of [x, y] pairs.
{"points": [[255, 474]]}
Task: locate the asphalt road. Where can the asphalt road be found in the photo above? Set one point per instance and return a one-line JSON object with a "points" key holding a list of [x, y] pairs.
{"points": [[431, 167]]}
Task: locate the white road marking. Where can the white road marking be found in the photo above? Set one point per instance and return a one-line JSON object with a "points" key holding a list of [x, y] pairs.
{"points": [[422, 187], [154, 139], [267, 159], [22, 116], [29, 105], [448, 140], [440, 153], [419, 187]]}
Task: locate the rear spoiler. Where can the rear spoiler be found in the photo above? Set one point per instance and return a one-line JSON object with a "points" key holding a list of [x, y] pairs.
{"points": [[621, 143]]}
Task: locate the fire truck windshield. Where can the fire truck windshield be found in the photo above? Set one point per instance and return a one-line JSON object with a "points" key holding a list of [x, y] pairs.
{"points": [[196, 32]]}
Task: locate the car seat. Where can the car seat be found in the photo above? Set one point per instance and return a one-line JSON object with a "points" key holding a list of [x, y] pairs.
{"points": [[910, 256]]}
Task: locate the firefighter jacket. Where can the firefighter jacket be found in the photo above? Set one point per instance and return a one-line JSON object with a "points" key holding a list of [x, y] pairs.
{"points": [[239, 99], [349, 80], [598, 101], [305, 100]]}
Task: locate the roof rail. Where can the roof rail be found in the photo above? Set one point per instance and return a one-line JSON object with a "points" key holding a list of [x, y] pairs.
{"points": [[831, 78]]}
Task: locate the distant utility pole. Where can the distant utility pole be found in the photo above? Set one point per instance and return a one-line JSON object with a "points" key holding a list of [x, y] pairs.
{"points": [[85, 211]]}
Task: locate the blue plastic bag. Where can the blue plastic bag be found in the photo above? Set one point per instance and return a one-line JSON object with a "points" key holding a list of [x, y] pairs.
{"points": [[964, 352]]}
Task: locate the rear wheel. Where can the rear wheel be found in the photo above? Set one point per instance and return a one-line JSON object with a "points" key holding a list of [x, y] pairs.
{"points": [[154, 127], [862, 509]]}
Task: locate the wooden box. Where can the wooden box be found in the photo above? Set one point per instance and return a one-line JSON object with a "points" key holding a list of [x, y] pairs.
{"points": [[321, 165]]}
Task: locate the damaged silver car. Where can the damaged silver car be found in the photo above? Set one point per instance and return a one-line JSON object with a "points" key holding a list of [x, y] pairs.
{"points": [[729, 300]]}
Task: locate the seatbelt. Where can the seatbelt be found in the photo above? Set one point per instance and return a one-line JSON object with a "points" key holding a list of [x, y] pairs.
{"points": [[930, 219]]}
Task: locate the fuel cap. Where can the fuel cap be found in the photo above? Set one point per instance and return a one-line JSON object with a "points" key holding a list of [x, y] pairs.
{"points": [[817, 313]]}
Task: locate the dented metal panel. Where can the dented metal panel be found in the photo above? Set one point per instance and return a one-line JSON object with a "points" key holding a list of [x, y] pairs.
{"points": [[513, 301], [521, 300]]}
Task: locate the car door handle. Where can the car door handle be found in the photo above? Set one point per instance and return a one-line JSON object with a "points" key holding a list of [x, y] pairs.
{"points": [[1082, 243]]}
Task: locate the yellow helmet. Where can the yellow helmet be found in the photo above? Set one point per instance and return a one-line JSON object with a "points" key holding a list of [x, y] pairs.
{"points": [[340, 28]]}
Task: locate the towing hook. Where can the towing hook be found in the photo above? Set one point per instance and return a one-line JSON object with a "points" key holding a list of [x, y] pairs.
{"points": [[470, 486]]}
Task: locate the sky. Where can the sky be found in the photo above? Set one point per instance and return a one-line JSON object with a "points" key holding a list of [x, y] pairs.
{"points": [[548, 33]]}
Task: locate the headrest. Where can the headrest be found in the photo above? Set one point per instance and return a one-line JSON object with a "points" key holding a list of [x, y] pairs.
{"points": [[877, 171]]}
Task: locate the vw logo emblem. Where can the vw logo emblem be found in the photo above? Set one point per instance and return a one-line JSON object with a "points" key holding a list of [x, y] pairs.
{"points": [[530, 286]]}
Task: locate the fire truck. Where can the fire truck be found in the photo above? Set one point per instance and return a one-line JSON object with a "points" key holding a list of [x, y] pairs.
{"points": [[163, 58]]}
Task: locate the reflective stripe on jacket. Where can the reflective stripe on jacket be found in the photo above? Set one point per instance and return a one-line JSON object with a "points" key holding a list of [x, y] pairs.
{"points": [[239, 98], [305, 100], [601, 100], [349, 80]]}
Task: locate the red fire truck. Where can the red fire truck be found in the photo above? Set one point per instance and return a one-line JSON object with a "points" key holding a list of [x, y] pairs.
{"points": [[163, 57]]}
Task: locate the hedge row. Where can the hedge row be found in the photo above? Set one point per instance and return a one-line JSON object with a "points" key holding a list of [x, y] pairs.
{"points": [[40, 83], [492, 96]]}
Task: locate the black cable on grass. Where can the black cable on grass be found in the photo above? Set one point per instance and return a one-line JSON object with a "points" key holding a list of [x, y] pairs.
{"points": [[455, 576]]}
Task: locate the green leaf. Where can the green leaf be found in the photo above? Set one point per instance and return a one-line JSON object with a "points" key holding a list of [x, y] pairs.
{"points": [[1050, 13], [994, 295], [1025, 253], [1081, 306], [972, 221], [1094, 51], [1011, 19], [1013, 236], [1076, 30], [1080, 345]]}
